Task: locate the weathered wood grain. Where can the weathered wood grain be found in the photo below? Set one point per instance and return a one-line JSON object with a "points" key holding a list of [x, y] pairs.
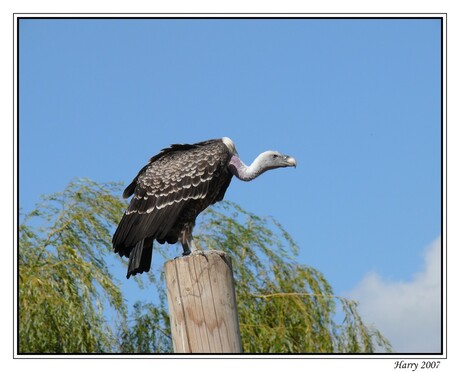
{"points": [[202, 304]]}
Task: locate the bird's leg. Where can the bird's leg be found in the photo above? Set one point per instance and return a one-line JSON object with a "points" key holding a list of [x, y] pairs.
{"points": [[186, 249], [189, 246]]}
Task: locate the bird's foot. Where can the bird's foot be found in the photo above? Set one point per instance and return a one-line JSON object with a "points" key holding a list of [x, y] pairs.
{"points": [[199, 252], [192, 253], [220, 253], [190, 249], [186, 253]]}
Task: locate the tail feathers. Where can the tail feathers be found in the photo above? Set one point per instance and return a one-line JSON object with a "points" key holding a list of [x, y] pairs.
{"points": [[140, 257]]}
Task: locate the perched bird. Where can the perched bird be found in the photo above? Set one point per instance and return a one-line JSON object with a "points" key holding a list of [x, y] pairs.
{"points": [[173, 188]]}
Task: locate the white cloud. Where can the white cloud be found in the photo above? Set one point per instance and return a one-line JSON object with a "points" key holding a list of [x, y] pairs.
{"points": [[407, 313]]}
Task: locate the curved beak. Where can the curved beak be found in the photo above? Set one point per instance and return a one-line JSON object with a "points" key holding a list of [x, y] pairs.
{"points": [[290, 161]]}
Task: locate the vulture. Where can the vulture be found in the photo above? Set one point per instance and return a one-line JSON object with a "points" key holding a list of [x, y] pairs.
{"points": [[173, 188]]}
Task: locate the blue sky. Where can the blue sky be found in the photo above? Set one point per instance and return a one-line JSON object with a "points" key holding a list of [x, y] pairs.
{"points": [[356, 102]]}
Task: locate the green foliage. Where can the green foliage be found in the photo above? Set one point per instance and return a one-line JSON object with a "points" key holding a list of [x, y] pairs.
{"points": [[283, 307], [64, 283], [63, 278], [149, 332]]}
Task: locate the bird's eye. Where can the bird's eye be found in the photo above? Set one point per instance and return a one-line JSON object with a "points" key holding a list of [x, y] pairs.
{"points": [[274, 156]]}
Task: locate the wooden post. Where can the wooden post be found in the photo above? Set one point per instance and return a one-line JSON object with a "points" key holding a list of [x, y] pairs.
{"points": [[202, 304]]}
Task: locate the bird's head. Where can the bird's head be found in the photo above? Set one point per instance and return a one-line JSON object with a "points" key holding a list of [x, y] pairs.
{"points": [[274, 159], [266, 161]]}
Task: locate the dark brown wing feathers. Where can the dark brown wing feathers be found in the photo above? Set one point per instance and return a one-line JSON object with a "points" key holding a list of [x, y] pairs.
{"points": [[170, 191]]}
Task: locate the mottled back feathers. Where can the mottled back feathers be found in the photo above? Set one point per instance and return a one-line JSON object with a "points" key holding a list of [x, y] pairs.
{"points": [[170, 191]]}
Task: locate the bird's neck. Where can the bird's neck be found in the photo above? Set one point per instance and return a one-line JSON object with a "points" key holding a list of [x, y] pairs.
{"points": [[242, 171]]}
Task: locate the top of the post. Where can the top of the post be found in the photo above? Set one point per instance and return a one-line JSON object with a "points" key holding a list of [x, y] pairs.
{"points": [[207, 254]]}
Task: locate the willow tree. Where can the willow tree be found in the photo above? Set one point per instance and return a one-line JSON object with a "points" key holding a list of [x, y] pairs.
{"points": [[65, 284], [64, 280], [283, 306]]}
